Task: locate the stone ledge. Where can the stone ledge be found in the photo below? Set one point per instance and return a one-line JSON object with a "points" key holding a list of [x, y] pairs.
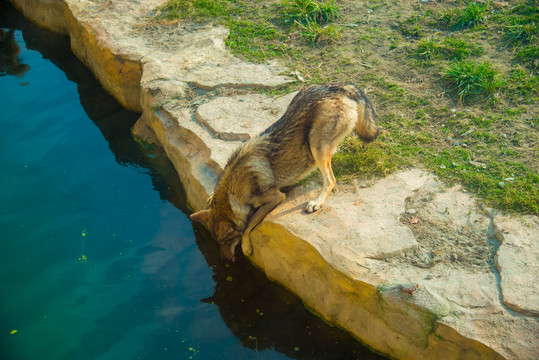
{"points": [[225, 117], [517, 257], [48, 14], [360, 280]]}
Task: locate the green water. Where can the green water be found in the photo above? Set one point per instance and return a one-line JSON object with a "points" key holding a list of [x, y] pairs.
{"points": [[97, 257]]}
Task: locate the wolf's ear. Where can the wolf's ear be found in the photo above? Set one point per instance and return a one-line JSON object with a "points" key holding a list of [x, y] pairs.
{"points": [[201, 216], [225, 227]]}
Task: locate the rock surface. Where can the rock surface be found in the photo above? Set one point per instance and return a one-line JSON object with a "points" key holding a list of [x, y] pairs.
{"points": [[517, 259], [225, 117], [414, 270]]}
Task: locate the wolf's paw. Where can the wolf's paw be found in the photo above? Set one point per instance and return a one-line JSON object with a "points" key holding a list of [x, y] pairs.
{"points": [[246, 246], [312, 206]]}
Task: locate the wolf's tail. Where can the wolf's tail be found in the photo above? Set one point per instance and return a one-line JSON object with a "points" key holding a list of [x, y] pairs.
{"points": [[366, 125]]}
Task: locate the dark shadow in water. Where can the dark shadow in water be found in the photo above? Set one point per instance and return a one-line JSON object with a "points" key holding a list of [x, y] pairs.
{"points": [[264, 315], [10, 63], [260, 313]]}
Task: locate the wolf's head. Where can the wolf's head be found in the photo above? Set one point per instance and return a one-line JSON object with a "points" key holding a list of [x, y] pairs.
{"points": [[222, 230]]}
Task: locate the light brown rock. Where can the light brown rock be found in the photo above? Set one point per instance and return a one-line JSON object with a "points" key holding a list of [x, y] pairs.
{"points": [[517, 260], [241, 117], [46, 13]]}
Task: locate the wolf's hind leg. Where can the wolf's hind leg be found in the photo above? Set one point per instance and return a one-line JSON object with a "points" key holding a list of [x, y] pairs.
{"points": [[269, 201], [323, 161]]}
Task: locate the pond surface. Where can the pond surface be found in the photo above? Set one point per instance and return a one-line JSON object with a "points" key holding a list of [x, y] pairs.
{"points": [[98, 259]]}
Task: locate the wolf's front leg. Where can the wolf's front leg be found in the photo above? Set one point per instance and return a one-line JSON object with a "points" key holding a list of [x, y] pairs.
{"points": [[246, 246], [270, 201]]}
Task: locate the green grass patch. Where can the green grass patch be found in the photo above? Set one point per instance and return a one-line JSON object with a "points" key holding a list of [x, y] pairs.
{"points": [[261, 33], [529, 56], [521, 34], [308, 12], [522, 87], [313, 33], [311, 18], [258, 40], [447, 48], [197, 9], [502, 184], [519, 24], [367, 160], [412, 27], [473, 79], [473, 14]]}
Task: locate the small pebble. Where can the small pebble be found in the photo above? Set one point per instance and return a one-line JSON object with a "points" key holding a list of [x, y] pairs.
{"points": [[501, 184], [442, 166], [411, 211]]}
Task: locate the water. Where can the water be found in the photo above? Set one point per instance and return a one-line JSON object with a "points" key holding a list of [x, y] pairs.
{"points": [[97, 257]]}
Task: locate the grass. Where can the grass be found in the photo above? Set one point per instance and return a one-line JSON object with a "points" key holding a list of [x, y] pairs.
{"points": [[499, 182], [257, 40], [313, 33], [308, 17], [472, 79], [195, 9], [253, 34], [307, 12], [529, 56], [523, 87], [521, 34], [376, 159], [448, 48], [471, 15], [455, 84], [412, 27], [520, 25]]}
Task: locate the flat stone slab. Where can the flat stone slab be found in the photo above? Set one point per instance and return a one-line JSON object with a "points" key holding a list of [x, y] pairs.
{"points": [[517, 260], [241, 117], [377, 231], [197, 55]]}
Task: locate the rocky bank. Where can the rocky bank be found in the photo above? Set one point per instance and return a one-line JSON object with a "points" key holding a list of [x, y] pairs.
{"points": [[412, 269]]}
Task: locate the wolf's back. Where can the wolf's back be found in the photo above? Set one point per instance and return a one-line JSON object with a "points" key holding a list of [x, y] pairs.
{"points": [[307, 99]]}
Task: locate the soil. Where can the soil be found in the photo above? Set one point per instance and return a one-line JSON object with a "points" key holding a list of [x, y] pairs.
{"points": [[467, 247]]}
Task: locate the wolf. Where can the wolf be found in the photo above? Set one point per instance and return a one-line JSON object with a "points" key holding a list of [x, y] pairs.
{"points": [[304, 138]]}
